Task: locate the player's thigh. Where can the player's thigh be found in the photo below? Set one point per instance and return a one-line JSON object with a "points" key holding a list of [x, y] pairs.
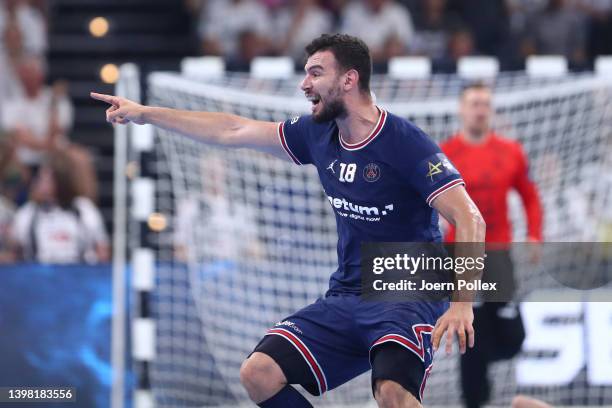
{"points": [[317, 347]]}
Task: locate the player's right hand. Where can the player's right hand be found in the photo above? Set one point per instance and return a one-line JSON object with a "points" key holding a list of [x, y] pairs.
{"points": [[122, 111], [459, 319]]}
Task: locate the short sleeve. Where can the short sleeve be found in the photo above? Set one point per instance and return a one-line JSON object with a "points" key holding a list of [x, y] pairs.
{"points": [[294, 136], [434, 175], [431, 172]]}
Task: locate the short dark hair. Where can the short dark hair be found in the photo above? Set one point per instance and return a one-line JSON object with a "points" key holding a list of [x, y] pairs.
{"points": [[350, 53], [63, 172], [475, 85]]}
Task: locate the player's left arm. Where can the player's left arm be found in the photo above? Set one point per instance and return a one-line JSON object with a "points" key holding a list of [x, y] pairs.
{"points": [[458, 208], [530, 197]]}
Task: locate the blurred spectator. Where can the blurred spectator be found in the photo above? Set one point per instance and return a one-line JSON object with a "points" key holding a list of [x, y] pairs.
{"points": [[85, 177], [384, 25], [57, 225], [234, 29], [489, 22], [39, 122], [296, 23], [41, 118], [7, 150], [10, 85], [7, 213], [7, 209], [42, 6], [415, 7], [443, 30], [521, 11], [460, 44], [557, 30], [434, 26], [31, 22], [598, 14], [13, 175], [214, 221], [335, 7], [194, 6]]}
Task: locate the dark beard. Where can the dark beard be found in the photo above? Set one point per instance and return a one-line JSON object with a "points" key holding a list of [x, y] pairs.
{"points": [[330, 111]]}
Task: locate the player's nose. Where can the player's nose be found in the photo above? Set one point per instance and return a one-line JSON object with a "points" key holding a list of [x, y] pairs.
{"points": [[305, 85]]}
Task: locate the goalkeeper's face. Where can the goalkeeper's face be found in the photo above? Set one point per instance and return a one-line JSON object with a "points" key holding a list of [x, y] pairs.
{"points": [[476, 110], [322, 86]]}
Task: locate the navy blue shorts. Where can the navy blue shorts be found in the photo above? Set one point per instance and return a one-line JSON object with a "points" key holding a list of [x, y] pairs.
{"points": [[337, 335]]}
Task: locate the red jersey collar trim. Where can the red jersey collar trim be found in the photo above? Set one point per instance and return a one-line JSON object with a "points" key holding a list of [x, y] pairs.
{"points": [[377, 129]]}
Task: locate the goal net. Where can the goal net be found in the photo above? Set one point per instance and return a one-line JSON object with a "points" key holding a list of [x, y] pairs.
{"points": [[252, 238]]}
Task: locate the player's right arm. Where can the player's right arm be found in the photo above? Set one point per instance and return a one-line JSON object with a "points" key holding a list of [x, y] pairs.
{"points": [[211, 127]]}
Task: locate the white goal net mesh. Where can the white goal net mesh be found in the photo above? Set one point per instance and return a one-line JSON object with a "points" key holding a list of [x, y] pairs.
{"points": [[252, 238]]}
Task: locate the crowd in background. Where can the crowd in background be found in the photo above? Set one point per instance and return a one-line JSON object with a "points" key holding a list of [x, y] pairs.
{"points": [[444, 30], [47, 184]]}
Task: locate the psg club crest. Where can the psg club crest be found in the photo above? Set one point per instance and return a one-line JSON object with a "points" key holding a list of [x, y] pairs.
{"points": [[371, 172]]}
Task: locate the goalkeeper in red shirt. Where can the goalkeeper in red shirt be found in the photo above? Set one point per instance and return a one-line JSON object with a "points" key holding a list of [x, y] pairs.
{"points": [[491, 166]]}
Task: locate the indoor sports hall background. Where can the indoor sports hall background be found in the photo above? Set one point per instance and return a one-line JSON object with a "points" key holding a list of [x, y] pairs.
{"points": [[172, 257]]}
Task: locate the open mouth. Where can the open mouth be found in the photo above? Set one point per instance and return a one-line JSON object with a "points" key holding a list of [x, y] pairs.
{"points": [[314, 100]]}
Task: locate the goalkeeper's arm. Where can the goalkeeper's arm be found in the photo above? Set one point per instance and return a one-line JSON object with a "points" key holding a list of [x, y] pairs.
{"points": [[211, 127]]}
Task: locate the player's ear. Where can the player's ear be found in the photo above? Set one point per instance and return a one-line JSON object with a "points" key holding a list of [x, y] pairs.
{"points": [[351, 79]]}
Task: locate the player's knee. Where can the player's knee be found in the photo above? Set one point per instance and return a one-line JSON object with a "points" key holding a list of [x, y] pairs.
{"points": [[256, 369], [522, 401], [519, 402], [389, 394], [261, 376]]}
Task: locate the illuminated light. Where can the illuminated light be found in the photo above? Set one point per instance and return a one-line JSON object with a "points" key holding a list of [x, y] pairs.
{"points": [[98, 27], [109, 73], [157, 222]]}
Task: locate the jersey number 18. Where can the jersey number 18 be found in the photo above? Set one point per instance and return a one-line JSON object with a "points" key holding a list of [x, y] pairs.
{"points": [[347, 172]]}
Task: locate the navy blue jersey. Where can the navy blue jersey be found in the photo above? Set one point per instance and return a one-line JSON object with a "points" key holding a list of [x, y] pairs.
{"points": [[381, 189]]}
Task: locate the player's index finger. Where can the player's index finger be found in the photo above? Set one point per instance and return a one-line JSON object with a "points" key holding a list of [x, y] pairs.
{"points": [[104, 98]]}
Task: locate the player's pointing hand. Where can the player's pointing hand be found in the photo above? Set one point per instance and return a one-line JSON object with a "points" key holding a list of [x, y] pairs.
{"points": [[122, 110]]}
